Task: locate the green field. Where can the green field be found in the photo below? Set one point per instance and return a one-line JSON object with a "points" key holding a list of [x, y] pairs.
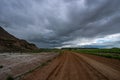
{"points": [[109, 53]]}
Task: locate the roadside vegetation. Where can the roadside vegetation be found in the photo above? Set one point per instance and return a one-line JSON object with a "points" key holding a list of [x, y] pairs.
{"points": [[1, 66], [45, 50], [10, 78], [109, 53]]}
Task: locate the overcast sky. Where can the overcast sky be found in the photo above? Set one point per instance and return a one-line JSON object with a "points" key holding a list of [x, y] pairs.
{"points": [[63, 23]]}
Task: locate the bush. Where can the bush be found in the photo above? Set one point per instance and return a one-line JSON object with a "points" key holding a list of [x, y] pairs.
{"points": [[10, 78], [1, 66]]}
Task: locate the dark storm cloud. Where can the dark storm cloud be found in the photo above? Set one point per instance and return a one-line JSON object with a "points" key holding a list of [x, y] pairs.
{"points": [[56, 23]]}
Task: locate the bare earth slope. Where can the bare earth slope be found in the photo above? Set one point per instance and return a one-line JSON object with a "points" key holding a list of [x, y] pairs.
{"points": [[75, 66], [9, 42]]}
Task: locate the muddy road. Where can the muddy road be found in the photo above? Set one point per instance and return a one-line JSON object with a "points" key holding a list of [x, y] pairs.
{"points": [[75, 66]]}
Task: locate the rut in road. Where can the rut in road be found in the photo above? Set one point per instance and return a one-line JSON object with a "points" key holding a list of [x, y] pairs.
{"points": [[74, 66]]}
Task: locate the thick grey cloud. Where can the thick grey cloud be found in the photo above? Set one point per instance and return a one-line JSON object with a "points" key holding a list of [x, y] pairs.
{"points": [[61, 23]]}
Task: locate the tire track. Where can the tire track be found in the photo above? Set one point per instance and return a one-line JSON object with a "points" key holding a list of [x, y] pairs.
{"points": [[107, 71], [74, 66], [92, 73]]}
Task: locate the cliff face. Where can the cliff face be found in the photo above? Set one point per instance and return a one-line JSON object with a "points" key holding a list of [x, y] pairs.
{"points": [[10, 43]]}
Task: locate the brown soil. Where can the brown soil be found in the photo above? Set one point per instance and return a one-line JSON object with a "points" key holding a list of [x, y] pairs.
{"points": [[74, 66]]}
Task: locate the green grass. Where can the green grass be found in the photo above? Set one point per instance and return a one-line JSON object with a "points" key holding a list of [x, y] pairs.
{"points": [[108, 53], [113, 50]]}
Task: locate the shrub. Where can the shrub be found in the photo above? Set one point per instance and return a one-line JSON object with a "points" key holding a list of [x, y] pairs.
{"points": [[1, 66], [10, 78]]}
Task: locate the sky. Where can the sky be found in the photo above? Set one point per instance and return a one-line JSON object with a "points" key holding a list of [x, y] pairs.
{"points": [[63, 23]]}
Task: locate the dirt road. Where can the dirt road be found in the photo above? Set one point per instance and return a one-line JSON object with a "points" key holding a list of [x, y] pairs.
{"points": [[75, 66]]}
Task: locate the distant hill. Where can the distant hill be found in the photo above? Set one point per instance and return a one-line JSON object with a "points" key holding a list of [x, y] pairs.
{"points": [[10, 43]]}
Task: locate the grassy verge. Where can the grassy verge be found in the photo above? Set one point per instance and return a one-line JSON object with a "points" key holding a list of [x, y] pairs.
{"points": [[108, 53]]}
